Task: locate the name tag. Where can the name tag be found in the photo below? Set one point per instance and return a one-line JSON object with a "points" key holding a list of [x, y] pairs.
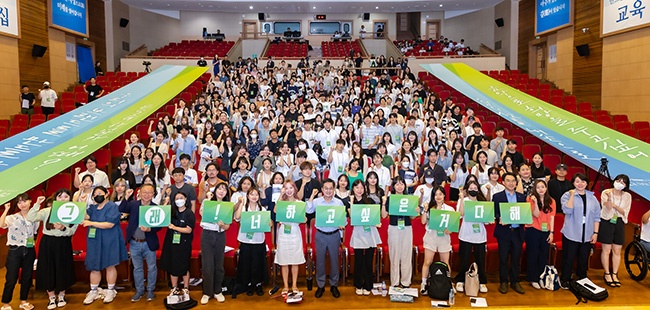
{"points": [[328, 143], [176, 238], [250, 235], [544, 227], [30, 242], [366, 229], [287, 229], [92, 93], [340, 169], [92, 232], [440, 233], [400, 224], [614, 218], [476, 228]]}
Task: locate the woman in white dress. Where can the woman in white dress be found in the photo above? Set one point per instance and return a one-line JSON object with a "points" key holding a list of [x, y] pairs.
{"points": [[289, 242]]}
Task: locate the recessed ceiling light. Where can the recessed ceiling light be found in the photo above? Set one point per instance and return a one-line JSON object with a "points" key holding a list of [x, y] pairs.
{"points": [[250, 7], [168, 4], [376, 8], [441, 5], [314, 8]]}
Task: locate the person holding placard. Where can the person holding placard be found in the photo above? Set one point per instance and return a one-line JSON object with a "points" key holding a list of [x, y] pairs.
{"points": [[327, 241], [251, 266], [177, 246], [493, 186], [307, 185], [457, 173], [616, 204], [54, 268], [289, 241], [213, 245], [105, 242], [271, 194], [434, 240], [364, 240], [143, 242], [21, 254], [401, 210], [510, 237], [472, 234], [539, 235], [580, 229]]}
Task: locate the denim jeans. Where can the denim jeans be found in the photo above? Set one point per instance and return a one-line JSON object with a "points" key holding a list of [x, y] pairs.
{"points": [[140, 251]]}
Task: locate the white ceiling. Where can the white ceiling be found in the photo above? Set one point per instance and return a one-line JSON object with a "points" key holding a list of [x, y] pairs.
{"points": [[312, 7]]}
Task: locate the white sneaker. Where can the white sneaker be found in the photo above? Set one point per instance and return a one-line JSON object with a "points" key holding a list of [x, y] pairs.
{"points": [[220, 297], [91, 297], [366, 292], [52, 303], [482, 288], [460, 287], [205, 299], [536, 285], [423, 287], [358, 291], [61, 302], [109, 295]]}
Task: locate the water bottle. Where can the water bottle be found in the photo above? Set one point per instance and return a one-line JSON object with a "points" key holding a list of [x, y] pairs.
{"points": [[384, 292], [452, 297]]}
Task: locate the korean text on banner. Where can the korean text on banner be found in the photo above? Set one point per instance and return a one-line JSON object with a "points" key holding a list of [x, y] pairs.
{"points": [[215, 211]]}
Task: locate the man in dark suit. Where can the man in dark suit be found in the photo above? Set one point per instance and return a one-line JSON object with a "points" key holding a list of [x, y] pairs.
{"points": [[509, 237]]}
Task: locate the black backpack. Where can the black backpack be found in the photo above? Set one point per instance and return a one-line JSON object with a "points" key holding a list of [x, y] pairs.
{"points": [[587, 291], [439, 281]]}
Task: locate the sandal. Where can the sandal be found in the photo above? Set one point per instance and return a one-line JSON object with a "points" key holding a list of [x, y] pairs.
{"points": [[295, 290], [285, 292], [26, 306], [615, 281], [6, 308], [608, 283]]}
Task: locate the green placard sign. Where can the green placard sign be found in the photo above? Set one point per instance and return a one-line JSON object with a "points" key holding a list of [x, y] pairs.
{"points": [[155, 216], [479, 211], [215, 211], [255, 221], [290, 211], [68, 212], [364, 215], [330, 216], [516, 213], [403, 205], [439, 220]]}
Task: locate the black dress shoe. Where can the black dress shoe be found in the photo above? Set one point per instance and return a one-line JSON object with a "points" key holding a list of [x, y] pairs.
{"points": [[335, 291], [319, 292], [517, 288], [258, 290], [503, 288]]}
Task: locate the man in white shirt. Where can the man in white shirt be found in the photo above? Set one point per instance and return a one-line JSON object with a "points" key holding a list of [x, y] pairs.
{"points": [[48, 98], [309, 135], [383, 174], [100, 178], [327, 137], [338, 160]]}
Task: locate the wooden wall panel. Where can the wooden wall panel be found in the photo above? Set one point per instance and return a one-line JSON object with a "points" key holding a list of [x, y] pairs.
{"points": [[34, 30], [98, 29], [587, 71], [526, 32]]}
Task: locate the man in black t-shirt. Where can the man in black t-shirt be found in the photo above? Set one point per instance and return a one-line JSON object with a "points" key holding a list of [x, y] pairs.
{"points": [[202, 62], [439, 174], [93, 90], [27, 101], [511, 149]]}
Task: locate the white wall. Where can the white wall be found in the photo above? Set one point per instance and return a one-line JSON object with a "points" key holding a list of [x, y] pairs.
{"points": [[230, 24], [475, 28], [509, 11], [250, 47], [152, 29], [424, 16], [376, 47], [120, 10]]}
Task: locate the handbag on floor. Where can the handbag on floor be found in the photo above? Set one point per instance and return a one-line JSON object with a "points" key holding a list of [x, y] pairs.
{"points": [[471, 281], [586, 290]]}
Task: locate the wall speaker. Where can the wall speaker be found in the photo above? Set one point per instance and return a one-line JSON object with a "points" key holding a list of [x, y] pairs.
{"points": [[38, 50], [583, 50], [499, 22], [124, 22], [366, 17], [261, 17]]}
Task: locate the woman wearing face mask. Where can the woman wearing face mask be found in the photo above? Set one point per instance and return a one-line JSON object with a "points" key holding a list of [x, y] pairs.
{"points": [[254, 145], [433, 240], [106, 247], [473, 238], [289, 253], [616, 203], [177, 247], [409, 175]]}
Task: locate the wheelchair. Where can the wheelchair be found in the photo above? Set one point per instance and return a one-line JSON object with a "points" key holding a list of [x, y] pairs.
{"points": [[636, 257]]}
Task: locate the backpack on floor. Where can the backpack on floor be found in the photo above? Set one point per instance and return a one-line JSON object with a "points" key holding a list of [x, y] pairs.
{"points": [[180, 302], [549, 279], [586, 290], [439, 281]]}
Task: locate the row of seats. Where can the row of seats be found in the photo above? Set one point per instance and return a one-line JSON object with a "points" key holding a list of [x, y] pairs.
{"points": [[341, 49], [287, 49], [194, 48]]}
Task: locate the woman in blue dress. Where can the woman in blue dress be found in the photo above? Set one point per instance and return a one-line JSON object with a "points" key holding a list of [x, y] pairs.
{"points": [[106, 247]]}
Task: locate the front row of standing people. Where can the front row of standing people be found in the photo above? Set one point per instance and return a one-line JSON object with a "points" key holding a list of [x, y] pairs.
{"points": [[106, 245]]}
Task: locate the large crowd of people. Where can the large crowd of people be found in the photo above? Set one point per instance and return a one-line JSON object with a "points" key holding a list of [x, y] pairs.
{"points": [[329, 137]]}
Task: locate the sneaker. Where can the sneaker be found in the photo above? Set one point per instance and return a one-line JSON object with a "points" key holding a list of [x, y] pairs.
{"points": [[91, 297], [220, 297], [423, 288], [358, 291], [61, 302], [564, 285], [185, 290], [366, 292], [150, 296], [205, 299], [26, 306], [536, 285], [460, 287], [109, 295], [482, 288], [136, 297], [51, 304]]}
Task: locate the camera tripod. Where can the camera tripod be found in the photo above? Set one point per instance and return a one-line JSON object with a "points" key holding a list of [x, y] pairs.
{"points": [[603, 171]]}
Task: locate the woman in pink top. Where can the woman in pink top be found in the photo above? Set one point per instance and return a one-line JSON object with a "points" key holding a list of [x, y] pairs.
{"points": [[539, 235]]}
